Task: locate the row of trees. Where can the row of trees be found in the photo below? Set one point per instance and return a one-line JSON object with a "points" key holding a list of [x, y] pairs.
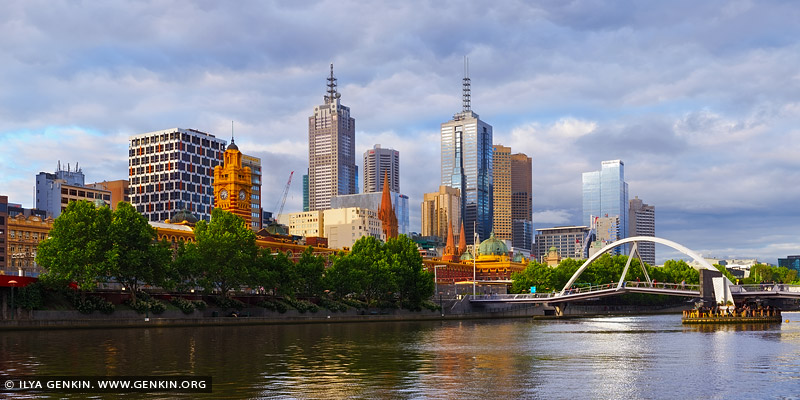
{"points": [[606, 269], [89, 245]]}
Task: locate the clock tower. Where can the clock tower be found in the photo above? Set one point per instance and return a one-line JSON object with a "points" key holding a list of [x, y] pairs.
{"points": [[233, 184]]}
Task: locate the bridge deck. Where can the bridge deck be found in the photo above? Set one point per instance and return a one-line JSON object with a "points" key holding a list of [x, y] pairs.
{"points": [[670, 289]]}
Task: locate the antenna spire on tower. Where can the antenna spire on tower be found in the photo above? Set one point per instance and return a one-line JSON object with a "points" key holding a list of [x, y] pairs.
{"points": [[466, 86], [332, 93], [231, 132]]}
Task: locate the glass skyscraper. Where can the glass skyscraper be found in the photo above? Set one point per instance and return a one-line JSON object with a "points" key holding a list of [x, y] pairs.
{"points": [[605, 194], [467, 166]]}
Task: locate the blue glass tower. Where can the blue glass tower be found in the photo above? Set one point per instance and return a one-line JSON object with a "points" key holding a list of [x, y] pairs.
{"points": [[467, 166], [605, 194]]}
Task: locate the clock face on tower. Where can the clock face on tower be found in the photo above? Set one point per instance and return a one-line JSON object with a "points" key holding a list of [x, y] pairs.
{"points": [[223, 194], [242, 194]]}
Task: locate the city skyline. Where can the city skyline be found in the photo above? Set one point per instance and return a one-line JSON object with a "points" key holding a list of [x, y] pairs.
{"points": [[703, 112]]}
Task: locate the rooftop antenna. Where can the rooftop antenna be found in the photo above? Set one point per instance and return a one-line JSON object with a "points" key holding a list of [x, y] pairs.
{"points": [[466, 86], [231, 132], [332, 93]]}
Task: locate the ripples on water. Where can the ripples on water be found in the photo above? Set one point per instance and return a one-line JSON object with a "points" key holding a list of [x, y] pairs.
{"points": [[610, 357]]}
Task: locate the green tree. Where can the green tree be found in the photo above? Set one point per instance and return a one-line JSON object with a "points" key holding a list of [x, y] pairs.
{"points": [[226, 251], [309, 270], [76, 248], [535, 274], [377, 280], [414, 283], [344, 276], [134, 258]]}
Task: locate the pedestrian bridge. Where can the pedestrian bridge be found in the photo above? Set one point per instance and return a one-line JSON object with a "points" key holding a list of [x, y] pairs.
{"points": [[671, 289], [570, 293]]}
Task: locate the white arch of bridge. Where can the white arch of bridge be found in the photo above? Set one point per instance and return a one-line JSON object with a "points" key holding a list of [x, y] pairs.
{"points": [[634, 251]]}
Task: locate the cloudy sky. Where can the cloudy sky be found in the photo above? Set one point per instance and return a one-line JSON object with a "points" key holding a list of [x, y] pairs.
{"points": [[701, 100]]}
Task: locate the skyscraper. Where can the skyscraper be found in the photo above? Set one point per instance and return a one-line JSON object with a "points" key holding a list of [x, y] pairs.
{"points": [[521, 201], [440, 209], [378, 161], [605, 194], [642, 220], [501, 192], [467, 165], [332, 167], [171, 170]]}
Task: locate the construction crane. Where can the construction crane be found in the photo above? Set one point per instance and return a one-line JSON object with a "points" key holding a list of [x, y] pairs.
{"points": [[283, 200]]}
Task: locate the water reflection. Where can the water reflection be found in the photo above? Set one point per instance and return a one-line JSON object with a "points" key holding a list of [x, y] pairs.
{"points": [[624, 357]]}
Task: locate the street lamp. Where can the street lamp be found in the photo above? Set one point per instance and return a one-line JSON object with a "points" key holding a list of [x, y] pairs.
{"points": [[436, 283], [12, 283], [474, 253]]}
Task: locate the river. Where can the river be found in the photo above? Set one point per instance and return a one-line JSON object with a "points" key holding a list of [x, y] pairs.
{"points": [[609, 357]]}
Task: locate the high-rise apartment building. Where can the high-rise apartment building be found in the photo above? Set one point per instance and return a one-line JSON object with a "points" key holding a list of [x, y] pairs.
{"points": [[332, 166], [255, 191], [55, 191], [439, 209], [642, 220], [467, 165], [171, 170], [605, 194], [521, 201], [377, 163], [501, 192]]}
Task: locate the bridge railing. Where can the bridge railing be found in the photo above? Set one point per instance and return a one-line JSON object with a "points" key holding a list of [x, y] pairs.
{"points": [[765, 287], [662, 285], [520, 296]]}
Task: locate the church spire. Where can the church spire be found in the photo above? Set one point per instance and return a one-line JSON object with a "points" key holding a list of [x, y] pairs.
{"points": [[386, 213], [462, 240]]}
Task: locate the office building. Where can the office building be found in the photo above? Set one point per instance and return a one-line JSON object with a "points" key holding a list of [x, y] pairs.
{"points": [[605, 194], [3, 236], [171, 170], [791, 262], [344, 226], [254, 163], [55, 191], [372, 201], [377, 163], [21, 230], [467, 165], [305, 224], [501, 193], [606, 232], [305, 192], [332, 166], [521, 201], [120, 190], [569, 241], [440, 209], [642, 220]]}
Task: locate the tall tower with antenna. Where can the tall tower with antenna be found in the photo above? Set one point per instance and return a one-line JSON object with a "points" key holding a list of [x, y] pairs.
{"points": [[467, 163], [332, 166]]}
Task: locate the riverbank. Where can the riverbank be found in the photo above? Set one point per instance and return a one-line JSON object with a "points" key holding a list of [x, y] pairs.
{"points": [[68, 319]]}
